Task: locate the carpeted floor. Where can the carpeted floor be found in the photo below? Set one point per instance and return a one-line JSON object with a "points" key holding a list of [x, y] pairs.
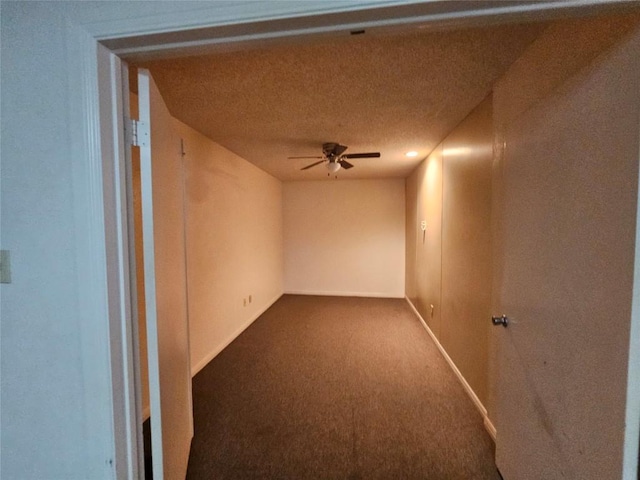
{"points": [[335, 388]]}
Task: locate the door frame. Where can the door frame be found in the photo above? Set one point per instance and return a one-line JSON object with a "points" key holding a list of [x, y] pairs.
{"points": [[100, 174]]}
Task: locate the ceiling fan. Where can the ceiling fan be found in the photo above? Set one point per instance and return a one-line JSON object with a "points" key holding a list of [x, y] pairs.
{"points": [[335, 158]]}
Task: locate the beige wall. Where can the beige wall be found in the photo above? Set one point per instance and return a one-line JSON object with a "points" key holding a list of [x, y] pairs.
{"points": [[449, 264], [233, 215], [234, 243], [424, 247], [344, 237], [466, 246]]}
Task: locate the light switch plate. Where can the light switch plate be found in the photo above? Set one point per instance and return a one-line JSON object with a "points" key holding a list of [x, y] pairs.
{"points": [[5, 266]]}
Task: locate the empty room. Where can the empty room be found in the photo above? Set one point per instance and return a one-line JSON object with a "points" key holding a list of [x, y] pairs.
{"points": [[334, 197], [385, 241]]}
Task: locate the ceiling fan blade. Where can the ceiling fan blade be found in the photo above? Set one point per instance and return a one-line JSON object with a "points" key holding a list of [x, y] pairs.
{"points": [[344, 164], [294, 158], [313, 164], [362, 155]]}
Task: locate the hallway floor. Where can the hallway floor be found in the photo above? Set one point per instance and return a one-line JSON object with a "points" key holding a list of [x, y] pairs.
{"points": [[335, 388]]}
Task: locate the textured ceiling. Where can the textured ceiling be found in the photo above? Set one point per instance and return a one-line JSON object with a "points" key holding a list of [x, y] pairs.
{"points": [[380, 93]]}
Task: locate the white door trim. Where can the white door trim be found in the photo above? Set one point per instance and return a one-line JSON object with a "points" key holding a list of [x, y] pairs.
{"points": [[97, 140]]}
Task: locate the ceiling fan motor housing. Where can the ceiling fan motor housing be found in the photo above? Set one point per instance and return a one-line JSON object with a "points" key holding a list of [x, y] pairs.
{"points": [[333, 150]]}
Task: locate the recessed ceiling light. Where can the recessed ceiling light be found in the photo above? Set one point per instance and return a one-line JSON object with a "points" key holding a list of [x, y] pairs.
{"points": [[412, 153]]}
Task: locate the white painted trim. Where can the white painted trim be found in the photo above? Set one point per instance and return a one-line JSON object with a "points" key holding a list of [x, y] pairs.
{"points": [[131, 328], [483, 411], [193, 30], [149, 264], [214, 353], [201, 16], [95, 222], [323, 293], [121, 290]]}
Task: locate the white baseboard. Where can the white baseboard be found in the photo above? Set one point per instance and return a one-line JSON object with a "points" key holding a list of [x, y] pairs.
{"points": [[202, 363], [343, 294], [483, 411]]}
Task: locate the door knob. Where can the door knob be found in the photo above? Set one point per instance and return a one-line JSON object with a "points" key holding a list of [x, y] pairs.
{"points": [[503, 320]]}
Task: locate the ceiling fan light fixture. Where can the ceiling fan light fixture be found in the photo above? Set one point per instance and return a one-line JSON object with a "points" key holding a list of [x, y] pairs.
{"points": [[333, 167]]}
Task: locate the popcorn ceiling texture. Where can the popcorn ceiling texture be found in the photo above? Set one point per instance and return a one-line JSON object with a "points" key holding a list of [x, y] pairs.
{"points": [[372, 92]]}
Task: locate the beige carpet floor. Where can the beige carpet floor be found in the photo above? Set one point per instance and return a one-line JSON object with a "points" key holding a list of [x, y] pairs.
{"points": [[335, 388]]}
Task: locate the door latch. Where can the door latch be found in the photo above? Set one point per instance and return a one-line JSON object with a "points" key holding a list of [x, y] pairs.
{"points": [[503, 320]]}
